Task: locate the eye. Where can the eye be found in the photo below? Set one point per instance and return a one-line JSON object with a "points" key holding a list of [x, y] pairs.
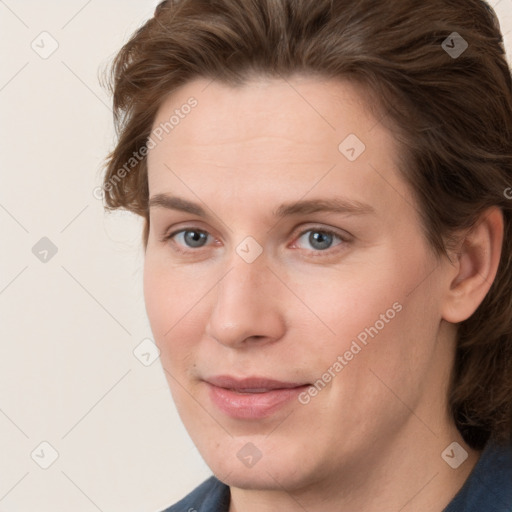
{"points": [[320, 239], [191, 238]]}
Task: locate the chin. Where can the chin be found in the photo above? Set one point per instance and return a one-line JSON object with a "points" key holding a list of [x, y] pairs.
{"points": [[274, 471], [263, 479]]}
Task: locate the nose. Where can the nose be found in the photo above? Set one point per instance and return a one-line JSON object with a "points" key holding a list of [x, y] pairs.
{"points": [[247, 309]]}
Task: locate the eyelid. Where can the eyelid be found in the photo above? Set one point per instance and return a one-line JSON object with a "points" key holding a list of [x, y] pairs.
{"points": [[183, 226], [343, 235]]}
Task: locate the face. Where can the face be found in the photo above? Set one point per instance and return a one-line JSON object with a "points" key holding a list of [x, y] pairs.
{"points": [[287, 282]]}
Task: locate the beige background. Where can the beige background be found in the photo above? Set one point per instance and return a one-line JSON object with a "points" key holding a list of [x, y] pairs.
{"points": [[69, 325]]}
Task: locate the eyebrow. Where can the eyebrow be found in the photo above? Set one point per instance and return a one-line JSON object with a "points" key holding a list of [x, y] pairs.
{"points": [[304, 207]]}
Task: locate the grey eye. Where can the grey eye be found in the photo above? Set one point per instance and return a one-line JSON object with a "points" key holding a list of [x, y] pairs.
{"points": [[319, 239], [193, 238]]}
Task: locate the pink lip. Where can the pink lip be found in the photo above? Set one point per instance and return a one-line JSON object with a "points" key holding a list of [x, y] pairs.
{"points": [[251, 398]]}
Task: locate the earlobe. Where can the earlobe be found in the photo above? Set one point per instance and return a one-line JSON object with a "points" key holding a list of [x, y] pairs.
{"points": [[475, 267]]}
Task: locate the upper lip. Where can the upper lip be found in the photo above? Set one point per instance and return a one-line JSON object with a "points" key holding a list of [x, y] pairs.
{"points": [[251, 383]]}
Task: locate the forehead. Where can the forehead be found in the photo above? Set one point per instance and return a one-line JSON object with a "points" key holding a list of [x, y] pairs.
{"points": [[290, 133], [324, 109]]}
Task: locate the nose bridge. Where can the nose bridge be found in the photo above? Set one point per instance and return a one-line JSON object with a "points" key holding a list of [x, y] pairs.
{"points": [[245, 305]]}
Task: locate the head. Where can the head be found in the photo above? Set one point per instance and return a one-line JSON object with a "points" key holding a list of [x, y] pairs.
{"points": [[242, 126]]}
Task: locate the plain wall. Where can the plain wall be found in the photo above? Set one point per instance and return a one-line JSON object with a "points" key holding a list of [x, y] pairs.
{"points": [[70, 321]]}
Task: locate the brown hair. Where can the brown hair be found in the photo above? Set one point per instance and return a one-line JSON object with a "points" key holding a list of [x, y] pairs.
{"points": [[451, 115]]}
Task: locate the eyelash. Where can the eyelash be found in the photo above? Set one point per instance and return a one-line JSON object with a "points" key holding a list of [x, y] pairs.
{"points": [[318, 229]]}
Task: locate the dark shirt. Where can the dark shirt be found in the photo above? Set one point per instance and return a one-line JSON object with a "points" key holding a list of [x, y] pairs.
{"points": [[487, 489]]}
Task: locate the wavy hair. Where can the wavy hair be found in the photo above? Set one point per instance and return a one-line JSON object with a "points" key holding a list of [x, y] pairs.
{"points": [[450, 113]]}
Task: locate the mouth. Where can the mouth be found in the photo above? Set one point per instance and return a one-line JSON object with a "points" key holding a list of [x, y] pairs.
{"points": [[253, 397]]}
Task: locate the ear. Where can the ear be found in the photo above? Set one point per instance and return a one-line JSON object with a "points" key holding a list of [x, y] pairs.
{"points": [[475, 267]]}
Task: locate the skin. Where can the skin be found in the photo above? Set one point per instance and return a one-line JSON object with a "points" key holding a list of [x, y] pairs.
{"points": [[372, 439]]}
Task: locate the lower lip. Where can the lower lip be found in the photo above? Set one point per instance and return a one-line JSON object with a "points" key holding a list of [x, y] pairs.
{"points": [[252, 405]]}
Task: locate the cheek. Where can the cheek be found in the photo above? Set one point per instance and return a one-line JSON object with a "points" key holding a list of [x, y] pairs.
{"points": [[168, 294], [165, 298], [381, 318], [176, 306], [158, 298]]}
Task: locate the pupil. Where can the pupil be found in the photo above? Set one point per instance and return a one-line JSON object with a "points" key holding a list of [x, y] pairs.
{"points": [[194, 238], [320, 240]]}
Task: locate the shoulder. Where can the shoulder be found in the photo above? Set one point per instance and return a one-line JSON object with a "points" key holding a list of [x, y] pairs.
{"points": [[489, 486], [211, 496]]}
